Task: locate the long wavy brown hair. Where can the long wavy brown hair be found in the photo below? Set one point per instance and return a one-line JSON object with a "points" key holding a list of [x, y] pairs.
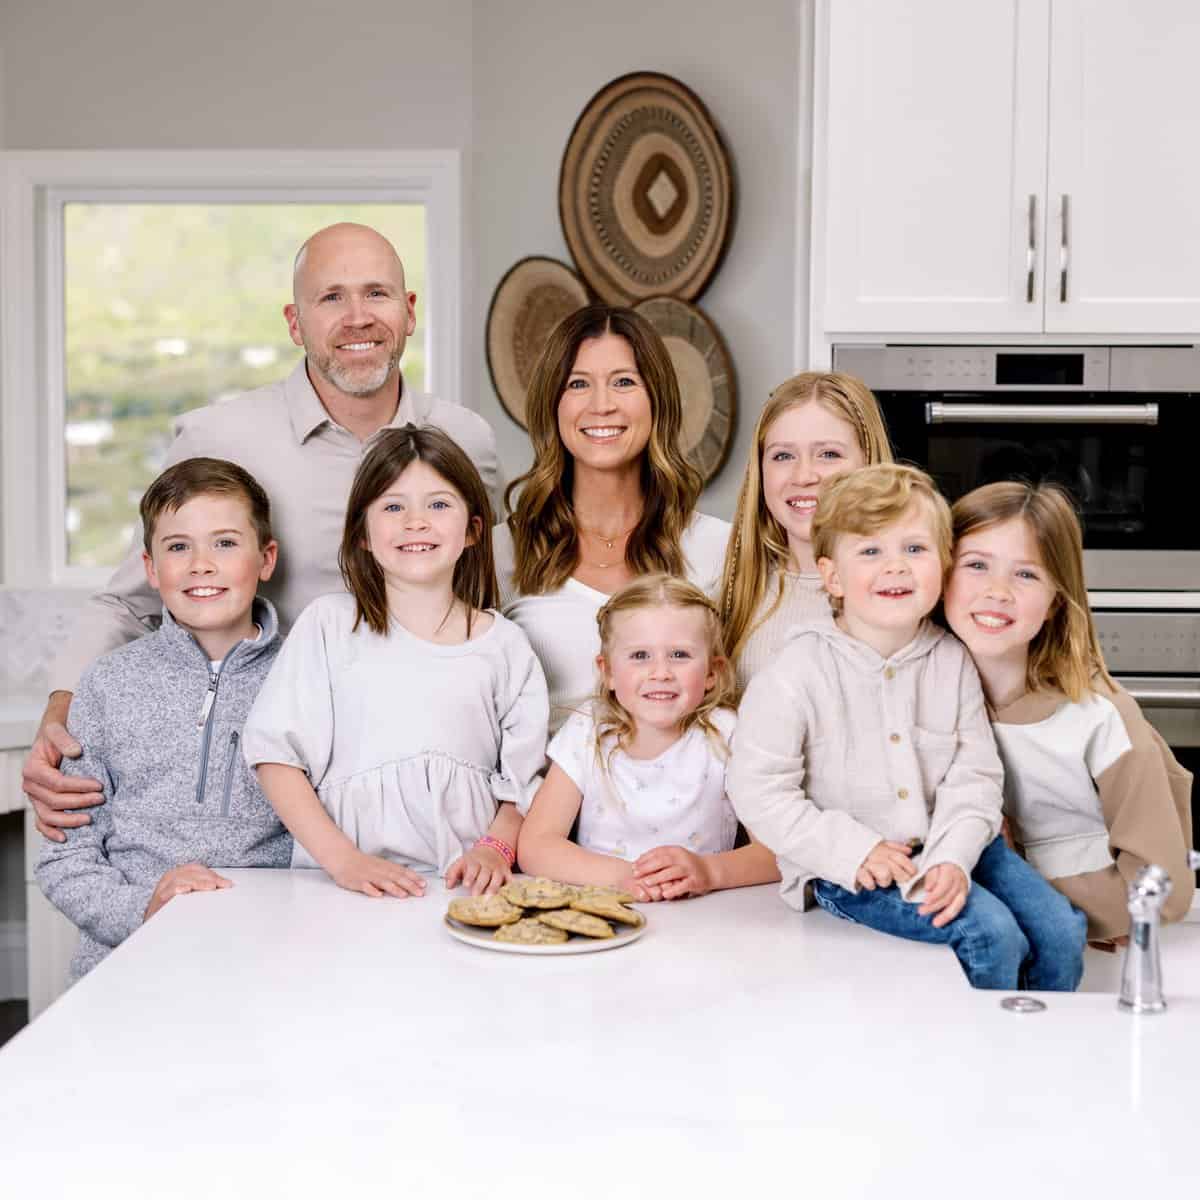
{"points": [[543, 525], [1065, 653], [758, 545], [613, 722], [474, 582]]}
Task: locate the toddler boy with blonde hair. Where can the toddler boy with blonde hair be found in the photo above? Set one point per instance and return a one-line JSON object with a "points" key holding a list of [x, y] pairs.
{"points": [[864, 756]]}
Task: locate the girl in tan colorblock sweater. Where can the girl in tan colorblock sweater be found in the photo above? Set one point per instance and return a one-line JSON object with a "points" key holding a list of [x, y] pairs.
{"points": [[1091, 791]]}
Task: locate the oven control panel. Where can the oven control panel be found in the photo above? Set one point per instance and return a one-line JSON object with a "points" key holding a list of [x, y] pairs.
{"points": [[1158, 642], [978, 368]]}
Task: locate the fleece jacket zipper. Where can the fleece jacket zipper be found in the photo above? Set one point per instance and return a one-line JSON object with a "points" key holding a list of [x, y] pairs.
{"points": [[206, 721], [230, 766]]}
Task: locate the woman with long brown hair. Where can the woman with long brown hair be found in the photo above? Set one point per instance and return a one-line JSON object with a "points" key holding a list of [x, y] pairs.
{"points": [[610, 495]]}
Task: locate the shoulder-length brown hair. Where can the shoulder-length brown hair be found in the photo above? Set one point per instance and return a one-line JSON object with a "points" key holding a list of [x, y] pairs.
{"points": [[758, 544], [544, 532], [1065, 654], [613, 722], [475, 572]]}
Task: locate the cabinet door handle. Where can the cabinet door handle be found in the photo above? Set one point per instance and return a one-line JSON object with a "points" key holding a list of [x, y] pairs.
{"points": [[1064, 249], [1031, 250], [938, 412]]}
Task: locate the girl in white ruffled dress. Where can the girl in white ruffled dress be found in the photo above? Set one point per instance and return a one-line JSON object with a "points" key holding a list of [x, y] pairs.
{"points": [[641, 769], [402, 728]]}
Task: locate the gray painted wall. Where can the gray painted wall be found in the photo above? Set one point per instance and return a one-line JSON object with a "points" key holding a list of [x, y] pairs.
{"points": [[154, 74]]}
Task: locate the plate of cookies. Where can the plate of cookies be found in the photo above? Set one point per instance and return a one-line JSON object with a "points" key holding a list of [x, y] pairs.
{"points": [[542, 916]]}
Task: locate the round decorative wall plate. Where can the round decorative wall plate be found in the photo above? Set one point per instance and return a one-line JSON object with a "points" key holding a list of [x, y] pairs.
{"points": [[645, 191], [528, 303], [707, 383]]}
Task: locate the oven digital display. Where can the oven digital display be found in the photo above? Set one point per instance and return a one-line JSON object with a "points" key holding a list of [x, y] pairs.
{"points": [[1044, 370]]}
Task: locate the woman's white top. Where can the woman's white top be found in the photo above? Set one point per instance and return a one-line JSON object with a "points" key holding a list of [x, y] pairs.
{"points": [[561, 625], [631, 805], [411, 746], [804, 601]]}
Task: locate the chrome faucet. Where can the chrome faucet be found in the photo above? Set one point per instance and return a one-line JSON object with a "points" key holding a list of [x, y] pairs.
{"points": [[1141, 975]]}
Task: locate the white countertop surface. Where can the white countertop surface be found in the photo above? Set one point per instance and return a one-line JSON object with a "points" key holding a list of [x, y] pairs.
{"points": [[287, 1038]]}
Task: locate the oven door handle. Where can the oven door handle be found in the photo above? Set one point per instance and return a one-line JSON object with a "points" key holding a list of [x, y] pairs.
{"points": [[1162, 698], [937, 412]]}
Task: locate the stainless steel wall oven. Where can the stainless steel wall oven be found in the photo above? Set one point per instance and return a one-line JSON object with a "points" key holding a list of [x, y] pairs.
{"points": [[1119, 427]]}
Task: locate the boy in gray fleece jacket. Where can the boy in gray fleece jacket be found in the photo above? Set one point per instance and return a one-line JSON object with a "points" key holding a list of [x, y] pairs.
{"points": [[160, 719]]}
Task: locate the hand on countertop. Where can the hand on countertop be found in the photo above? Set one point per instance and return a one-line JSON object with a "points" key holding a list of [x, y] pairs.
{"points": [[673, 872], [191, 877], [482, 870], [638, 890], [1112, 945], [359, 872]]}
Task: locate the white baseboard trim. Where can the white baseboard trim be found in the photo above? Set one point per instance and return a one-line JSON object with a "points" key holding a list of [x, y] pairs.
{"points": [[14, 976]]}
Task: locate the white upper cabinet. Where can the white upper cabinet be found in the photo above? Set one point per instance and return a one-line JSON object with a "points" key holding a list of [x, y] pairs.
{"points": [[1124, 161], [935, 165], [951, 135]]}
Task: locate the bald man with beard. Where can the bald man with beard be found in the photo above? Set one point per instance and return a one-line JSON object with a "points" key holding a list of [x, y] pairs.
{"points": [[302, 439]]}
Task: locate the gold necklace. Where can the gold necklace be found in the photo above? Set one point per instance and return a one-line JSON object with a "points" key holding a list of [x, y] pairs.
{"points": [[609, 544]]}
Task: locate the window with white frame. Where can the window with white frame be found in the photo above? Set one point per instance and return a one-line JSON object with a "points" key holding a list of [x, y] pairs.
{"points": [[150, 294]]}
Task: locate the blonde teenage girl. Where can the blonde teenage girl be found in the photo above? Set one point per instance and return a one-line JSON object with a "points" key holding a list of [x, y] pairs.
{"points": [[403, 725], [1090, 790], [643, 767], [813, 426]]}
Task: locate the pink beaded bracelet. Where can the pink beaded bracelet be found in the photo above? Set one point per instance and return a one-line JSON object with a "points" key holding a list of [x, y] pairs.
{"points": [[502, 848]]}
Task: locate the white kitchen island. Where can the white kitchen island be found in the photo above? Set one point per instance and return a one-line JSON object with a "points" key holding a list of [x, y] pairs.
{"points": [[285, 1038]]}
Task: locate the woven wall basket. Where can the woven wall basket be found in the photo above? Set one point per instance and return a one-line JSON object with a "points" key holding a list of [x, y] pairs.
{"points": [[706, 380], [530, 300], [645, 191]]}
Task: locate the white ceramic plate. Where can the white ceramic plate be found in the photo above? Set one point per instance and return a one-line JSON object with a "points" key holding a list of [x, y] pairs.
{"points": [[473, 936]]}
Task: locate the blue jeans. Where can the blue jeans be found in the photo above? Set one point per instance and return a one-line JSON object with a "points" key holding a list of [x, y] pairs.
{"points": [[1015, 931]]}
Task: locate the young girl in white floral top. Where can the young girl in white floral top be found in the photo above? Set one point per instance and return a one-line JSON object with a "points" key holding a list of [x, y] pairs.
{"points": [[643, 766]]}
